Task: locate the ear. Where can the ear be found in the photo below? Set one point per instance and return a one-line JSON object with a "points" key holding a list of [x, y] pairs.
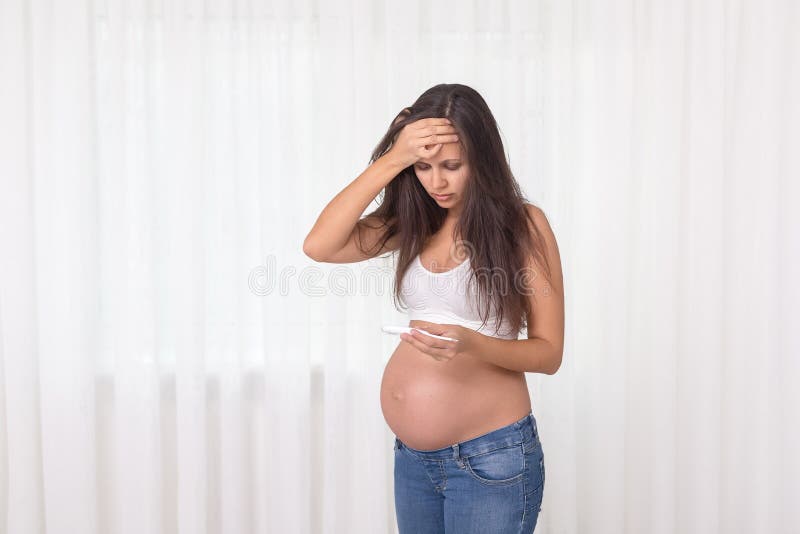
{"points": [[402, 115]]}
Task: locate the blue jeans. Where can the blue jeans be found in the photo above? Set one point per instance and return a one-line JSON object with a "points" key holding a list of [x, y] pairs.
{"points": [[491, 484]]}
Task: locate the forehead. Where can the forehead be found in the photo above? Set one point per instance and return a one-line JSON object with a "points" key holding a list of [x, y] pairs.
{"points": [[448, 151]]}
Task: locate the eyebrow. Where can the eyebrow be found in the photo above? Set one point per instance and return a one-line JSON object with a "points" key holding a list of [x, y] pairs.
{"points": [[443, 162]]}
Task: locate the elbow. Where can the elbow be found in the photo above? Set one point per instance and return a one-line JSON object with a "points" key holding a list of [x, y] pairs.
{"points": [[547, 357], [310, 250], [556, 362]]}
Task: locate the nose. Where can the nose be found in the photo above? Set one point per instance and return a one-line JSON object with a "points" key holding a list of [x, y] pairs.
{"points": [[438, 180]]}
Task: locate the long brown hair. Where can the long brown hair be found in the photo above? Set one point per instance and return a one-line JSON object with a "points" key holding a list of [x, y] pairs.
{"points": [[494, 223]]}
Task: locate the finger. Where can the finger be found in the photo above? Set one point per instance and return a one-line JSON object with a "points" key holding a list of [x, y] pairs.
{"points": [[431, 342], [433, 121], [435, 139], [443, 344], [414, 342], [433, 328], [432, 151], [444, 129], [426, 150], [437, 130], [422, 338], [429, 139], [429, 149]]}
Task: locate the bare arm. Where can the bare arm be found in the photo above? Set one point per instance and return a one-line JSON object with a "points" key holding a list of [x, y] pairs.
{"points": [[543, 350], [339, 229], [333, 236]]}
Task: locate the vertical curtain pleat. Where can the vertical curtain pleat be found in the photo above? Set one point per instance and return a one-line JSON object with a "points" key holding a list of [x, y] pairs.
{"points": [[21, 477], [64, 236]]}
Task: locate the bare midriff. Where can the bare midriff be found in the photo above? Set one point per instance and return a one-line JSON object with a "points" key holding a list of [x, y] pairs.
{"points": [[431, 404]]}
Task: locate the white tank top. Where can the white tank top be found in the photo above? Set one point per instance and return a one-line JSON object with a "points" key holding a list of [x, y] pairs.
{"points": [[447, 297]]}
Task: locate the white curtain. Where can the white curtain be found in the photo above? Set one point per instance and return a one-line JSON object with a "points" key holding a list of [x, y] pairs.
{"points": [[170, 361]]}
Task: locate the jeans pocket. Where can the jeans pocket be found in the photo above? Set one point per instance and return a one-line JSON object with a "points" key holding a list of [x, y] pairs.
{"points": [[501, 466]]}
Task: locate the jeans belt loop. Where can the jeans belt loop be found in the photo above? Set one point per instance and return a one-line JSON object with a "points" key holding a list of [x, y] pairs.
{"points": [[457, 455]]}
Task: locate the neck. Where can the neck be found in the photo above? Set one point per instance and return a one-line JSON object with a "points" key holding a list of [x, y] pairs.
{"points": [[451, 218]]}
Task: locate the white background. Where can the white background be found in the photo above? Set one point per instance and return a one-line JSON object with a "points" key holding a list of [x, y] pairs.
{"points": [[156, 158]]}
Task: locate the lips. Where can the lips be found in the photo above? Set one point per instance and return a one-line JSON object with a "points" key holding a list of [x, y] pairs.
{"points": [[442, 197]]}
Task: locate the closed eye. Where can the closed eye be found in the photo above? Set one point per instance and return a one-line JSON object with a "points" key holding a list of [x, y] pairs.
{"points": [[448, 167]]}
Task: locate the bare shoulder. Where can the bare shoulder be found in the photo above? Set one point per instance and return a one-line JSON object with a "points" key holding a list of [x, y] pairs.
{"points": [[539, 218], [551, 252]]}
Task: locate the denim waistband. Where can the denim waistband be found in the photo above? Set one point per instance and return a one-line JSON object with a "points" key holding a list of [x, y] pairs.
{"points": [[509, 435]]}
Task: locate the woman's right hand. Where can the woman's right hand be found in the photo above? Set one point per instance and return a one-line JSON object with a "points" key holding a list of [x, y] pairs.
{"points": [[414, 139]]}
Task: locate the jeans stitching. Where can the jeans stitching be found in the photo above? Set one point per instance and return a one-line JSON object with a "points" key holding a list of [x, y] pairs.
{"points": [[484, 453], [536, 493], [503, 482], [421, 462]]}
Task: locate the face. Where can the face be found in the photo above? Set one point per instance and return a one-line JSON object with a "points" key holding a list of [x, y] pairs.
{"points": [[445, 173]]}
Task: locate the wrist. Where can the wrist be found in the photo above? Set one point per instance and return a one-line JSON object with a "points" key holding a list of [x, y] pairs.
{"points": [[470, 341], [394, 163]]}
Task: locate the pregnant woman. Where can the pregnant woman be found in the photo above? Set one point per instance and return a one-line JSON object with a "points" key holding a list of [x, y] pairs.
{"points": [[475, 263]]}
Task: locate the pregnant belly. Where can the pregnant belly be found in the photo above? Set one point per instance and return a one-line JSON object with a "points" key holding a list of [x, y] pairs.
{"points": [[431, 404]]}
